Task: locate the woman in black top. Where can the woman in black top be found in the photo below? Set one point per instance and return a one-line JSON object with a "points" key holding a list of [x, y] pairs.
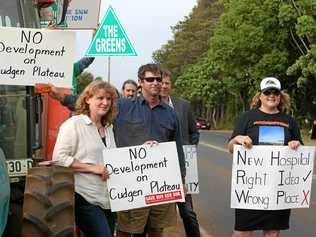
{"points": [[267, 114]]}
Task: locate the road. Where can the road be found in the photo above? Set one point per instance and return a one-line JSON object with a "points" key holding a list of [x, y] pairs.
{"points": [[212, 204]]}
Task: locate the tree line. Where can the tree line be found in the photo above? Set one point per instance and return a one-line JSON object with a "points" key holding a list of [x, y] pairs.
{"points": [[220, 52]]}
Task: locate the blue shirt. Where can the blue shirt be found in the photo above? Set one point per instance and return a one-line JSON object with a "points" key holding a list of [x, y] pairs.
{"points": [[137, 123]]}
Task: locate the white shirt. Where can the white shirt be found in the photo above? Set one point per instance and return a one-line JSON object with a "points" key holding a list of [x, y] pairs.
{"points": [[78, 138]]}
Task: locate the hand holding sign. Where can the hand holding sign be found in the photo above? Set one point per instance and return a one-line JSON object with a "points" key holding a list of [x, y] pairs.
{"points": [[141, 176], [272, 177], [294, 144]]}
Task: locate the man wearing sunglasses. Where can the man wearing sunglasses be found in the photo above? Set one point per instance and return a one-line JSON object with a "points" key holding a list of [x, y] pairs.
{"points": [[190, 136], [147, 118]]}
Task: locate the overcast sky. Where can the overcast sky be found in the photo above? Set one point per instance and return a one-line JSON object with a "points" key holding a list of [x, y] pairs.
{"points": [[147, 24]]}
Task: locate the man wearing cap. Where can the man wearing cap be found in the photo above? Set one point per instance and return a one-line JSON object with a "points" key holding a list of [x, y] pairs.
{"points": [[267, 123]]}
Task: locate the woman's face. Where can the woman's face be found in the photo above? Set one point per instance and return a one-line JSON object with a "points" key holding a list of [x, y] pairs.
{"points": [[100, 103], [270, 99]]}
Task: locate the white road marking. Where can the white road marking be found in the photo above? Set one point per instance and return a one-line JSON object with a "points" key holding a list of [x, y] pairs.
{"points": [[214, 147]]}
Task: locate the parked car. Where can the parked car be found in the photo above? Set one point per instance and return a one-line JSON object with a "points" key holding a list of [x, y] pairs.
{"points": [[202, 123]]}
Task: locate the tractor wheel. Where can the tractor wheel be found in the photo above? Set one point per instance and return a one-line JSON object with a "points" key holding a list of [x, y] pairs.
{"points": [[48, 209]]}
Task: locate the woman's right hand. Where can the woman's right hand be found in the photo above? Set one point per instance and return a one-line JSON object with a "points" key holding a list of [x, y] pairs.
{"points": [[243, 140]]}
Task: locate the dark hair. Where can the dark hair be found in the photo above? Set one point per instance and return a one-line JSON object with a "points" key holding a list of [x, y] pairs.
{"points": [[166, 73], [150, 67], [92, 89], [129, 81]]}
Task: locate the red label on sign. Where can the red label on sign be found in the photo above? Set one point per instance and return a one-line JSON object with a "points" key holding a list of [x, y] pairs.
{"points": [[163, 197]]}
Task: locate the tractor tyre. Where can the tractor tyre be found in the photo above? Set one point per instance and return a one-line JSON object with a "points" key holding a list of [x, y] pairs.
{"points": [[48, 209]]}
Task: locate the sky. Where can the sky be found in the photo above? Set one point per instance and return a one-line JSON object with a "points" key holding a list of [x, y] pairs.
{"points": [[147, 24]]}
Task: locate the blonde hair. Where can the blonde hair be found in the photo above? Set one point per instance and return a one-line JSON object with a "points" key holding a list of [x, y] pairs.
{"points": [[82, 107], [284, 105]]}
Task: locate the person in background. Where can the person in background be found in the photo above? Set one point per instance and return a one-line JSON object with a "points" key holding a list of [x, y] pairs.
{"points": [[267, 114], [79, 145], [129, 89], [190, 136], [139, 90]]}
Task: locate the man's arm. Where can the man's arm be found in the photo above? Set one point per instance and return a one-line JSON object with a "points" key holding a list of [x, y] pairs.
{"points": [[178, 139], [84, 63], [66, 100], [70, 101], [194, 134]]}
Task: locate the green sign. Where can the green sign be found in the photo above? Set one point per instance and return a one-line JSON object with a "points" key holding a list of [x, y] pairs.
{"points": [[110, 39]]}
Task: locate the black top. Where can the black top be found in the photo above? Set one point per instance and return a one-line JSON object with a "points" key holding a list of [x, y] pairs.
{"points": [[103, 140], [265, 129]]}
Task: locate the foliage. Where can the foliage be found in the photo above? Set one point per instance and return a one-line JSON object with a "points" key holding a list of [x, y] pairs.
{"points": [[244, 41], [190, 38], [83, 80]]}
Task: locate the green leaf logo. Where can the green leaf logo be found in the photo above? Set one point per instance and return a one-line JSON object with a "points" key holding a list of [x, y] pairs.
{"points": [[270, 82]]}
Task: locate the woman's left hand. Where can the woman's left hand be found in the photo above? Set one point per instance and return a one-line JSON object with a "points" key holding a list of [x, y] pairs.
{"points": [[102, 171], [294, 144]]}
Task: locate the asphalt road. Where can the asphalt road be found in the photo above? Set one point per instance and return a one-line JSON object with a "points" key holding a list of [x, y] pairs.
{"points": [[213, 203]]}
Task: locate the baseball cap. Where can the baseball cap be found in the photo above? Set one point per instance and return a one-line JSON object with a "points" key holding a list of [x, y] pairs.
{"points": [[270, 83]]}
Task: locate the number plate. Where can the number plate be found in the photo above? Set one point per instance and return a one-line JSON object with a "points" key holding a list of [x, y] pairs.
{"points": [[19, 167]]}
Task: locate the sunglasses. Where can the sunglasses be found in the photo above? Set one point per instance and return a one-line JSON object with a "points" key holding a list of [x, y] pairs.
{"points": [[152, 79], [273, 92]]}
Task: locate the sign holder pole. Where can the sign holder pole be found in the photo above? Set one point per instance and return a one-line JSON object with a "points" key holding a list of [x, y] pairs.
{"points": [[109, 68]]}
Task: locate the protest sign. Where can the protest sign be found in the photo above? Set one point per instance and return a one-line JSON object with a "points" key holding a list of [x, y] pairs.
{"points": [[81, 14], [30, 56], [272, 177], [191, 178], [143, 176]]}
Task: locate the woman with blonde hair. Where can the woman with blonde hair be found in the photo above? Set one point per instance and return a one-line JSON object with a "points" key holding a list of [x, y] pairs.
{"points": [[267, 116], [80, 144]]}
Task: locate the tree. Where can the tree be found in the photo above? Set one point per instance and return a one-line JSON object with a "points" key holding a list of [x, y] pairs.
{"points": [[84, 79], [250, 40]]}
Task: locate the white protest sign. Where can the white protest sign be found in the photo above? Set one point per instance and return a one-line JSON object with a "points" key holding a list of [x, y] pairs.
{"points": [[192, 177], [272, 177], [82, 14], [30, 56], [143, 176]]}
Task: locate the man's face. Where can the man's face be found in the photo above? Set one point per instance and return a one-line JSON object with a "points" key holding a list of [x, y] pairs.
{"points": [[129, 91], [165, 86], [151, 83]]}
